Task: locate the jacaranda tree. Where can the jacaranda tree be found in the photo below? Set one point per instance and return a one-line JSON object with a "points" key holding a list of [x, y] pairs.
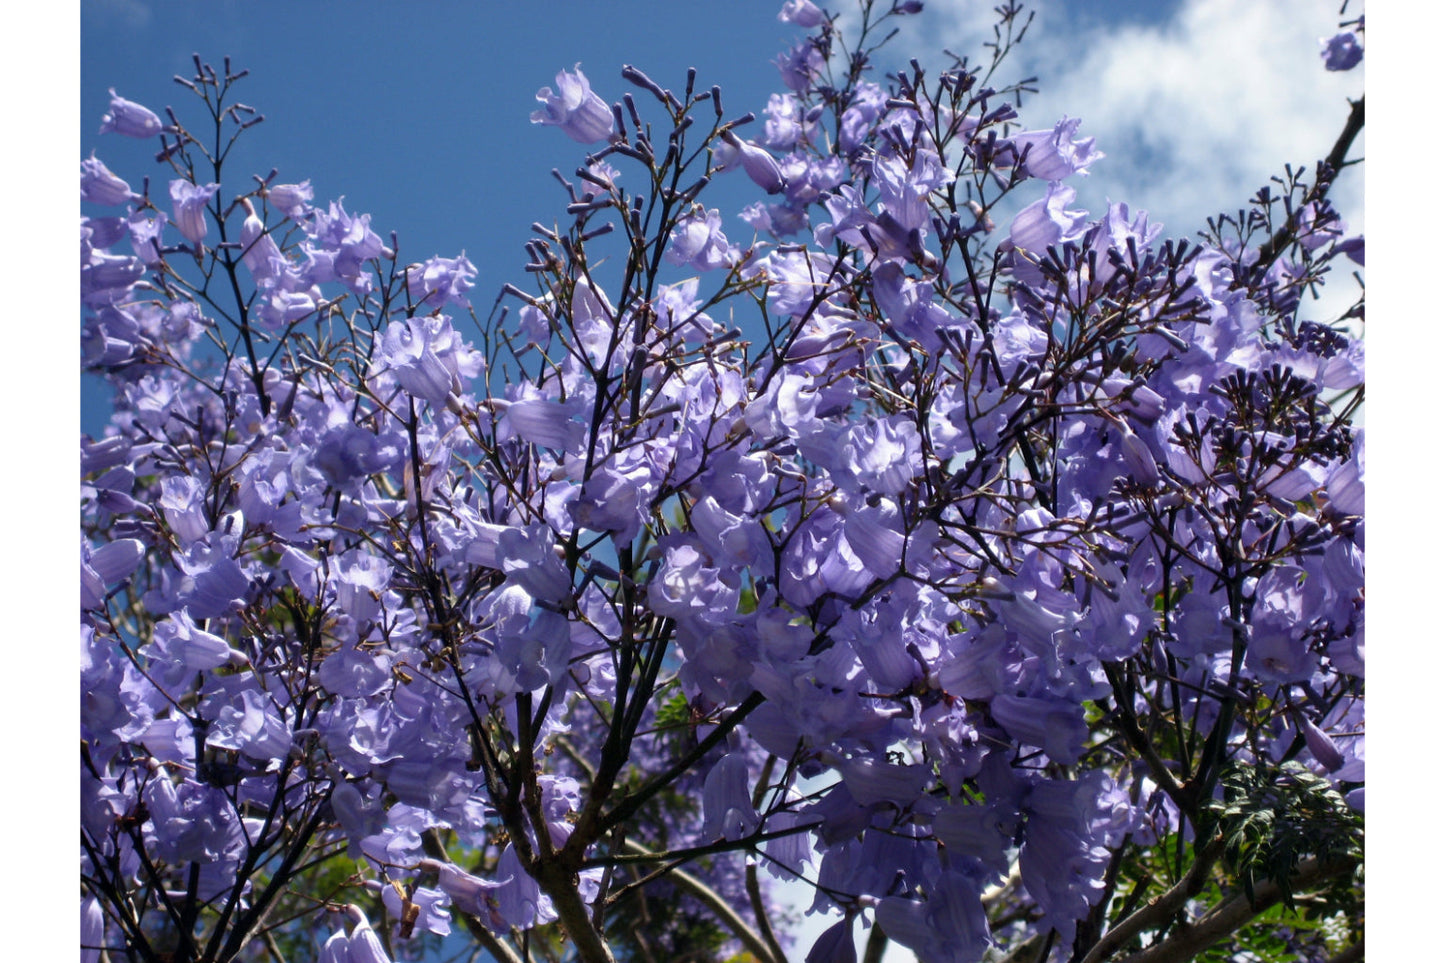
{"points": [[990, 568]]}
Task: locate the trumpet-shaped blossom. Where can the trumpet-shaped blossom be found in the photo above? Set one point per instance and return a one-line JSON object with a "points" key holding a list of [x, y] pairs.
{"points": [[259, 251], [103, 567], [582, 115], [1042, 224], [698, 242], [1053, 155], [188, 208], [129, 118], [727, 808], [784, 126], [293, 200], [99, 186], [834, 945], [428, 359], [180, 648], [799, 65], [441, 282], [949, 926], [760, 166], [347, 243]]}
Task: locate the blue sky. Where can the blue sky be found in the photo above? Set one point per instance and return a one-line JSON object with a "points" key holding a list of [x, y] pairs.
{"points": [[417, 112]]}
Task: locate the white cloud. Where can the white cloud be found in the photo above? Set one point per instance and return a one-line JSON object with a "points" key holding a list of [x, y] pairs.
{"points": [[1200, 112], [131, 14], [1194, 113]]}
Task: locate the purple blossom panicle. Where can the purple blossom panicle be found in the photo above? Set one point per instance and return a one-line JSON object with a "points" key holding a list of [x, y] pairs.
{"points": [[960, 576]]}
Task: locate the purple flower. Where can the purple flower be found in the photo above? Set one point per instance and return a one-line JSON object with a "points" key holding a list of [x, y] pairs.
{"points": [[362, 946], [470, 894], [1279, 640], [869, 102], [145, 231], [687, 584], [1055, 725], [276, 309], [530, 560], [428, 358], [835, 945], [366, 946], [214, 583], [800, 65], [784, 126], [102, 567], [99, 186], [950, 927], [259, 251], [546, 423], [534, 652], [106, 278], [1043, 223], [520, 900], [190, 821], [431, 910], [179, 649], [698, 242], [1342, 51], [1052, 155], [904, 185], [883, 455], [801, 12], [582, 115], [1320, 745], [874, 533], [441, 281], [757, 163], [616, 498], [92, 929], [248, 722], [1064, 855], [361, 578], [293, 200], [727, 800], [188, 208], [129, 118], [874, 783], [350, 241]]}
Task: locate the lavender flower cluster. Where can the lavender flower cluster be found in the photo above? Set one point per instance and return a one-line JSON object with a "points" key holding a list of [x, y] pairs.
{"points": [[947, 568]]}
